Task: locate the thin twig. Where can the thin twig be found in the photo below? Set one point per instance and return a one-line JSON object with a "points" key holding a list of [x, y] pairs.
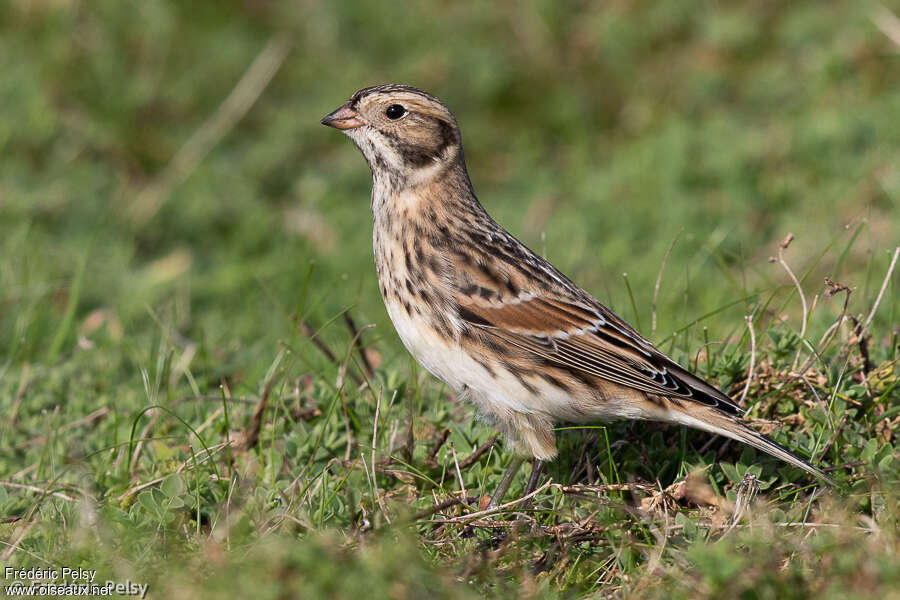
{"points": [[831, 439], [314, 338], [443, 506], [825, 340], [749, 320], [244, 95], [251, 438], [848, 465], [189, 463], [462, 486], [747, 490], [343, 367], [374, 478], [888, 23], [603, 489], [781, 248], [7, 554], [432, 454], [490, 511], [367, 365], [34, 488], [467, 461], [884, 284]]}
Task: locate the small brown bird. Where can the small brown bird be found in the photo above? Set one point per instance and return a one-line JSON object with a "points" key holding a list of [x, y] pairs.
{"points": [[495, 321]]}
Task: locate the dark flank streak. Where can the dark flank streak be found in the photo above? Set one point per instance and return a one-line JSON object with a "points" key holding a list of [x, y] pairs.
{"points": [[486, 365], [519, 374], [553, 380]]}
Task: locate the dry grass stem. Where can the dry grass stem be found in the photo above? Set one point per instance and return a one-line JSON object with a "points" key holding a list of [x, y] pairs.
{"points": [[888, 23], [462, 486], [251, 438], [34, 488], [7, 554], [884, 284], [781, 248], [491, 511], [749, 320], [244, 95]]}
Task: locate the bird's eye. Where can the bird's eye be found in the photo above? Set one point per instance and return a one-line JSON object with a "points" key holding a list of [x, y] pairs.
{"points": [[394, 112]]}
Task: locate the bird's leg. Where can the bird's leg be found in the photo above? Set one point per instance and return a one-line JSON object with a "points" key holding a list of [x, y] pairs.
{"points": [[536, 468], [514, 466]]}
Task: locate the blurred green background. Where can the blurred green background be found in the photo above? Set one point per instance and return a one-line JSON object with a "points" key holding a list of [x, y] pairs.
{"points": [[596, 132], [170, 205]]}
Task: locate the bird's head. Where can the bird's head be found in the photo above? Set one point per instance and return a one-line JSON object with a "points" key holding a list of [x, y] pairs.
{"points": [[407, 136]]}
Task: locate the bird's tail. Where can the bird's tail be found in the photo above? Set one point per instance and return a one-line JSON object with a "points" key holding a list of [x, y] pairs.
{"points": [[716, 422]]}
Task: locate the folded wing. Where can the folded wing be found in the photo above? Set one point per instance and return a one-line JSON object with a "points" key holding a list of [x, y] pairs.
{"points": [[588, 338]]}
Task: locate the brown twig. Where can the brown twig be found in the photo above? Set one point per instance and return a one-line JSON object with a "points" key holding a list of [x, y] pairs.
{"points": [[604, 489], [848, 465], [482, 513], [410, 445], [310, 333], [467, 461], [432, 454], [443, 506], [355, 334], [825, 340], [862, 340], [314, 338], [251, 438]]}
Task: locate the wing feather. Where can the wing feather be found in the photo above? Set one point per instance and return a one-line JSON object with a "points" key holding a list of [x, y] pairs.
{"points": [[589, 339]]}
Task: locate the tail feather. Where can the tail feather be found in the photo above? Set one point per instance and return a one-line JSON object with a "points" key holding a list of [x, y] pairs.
{"points": [[716, 422]]}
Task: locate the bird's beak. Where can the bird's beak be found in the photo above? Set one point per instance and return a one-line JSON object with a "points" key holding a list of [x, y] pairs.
{"points": [[343, 118]]}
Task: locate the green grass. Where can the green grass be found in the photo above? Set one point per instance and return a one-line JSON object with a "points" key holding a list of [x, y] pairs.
{"points": [[152, 290]]}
